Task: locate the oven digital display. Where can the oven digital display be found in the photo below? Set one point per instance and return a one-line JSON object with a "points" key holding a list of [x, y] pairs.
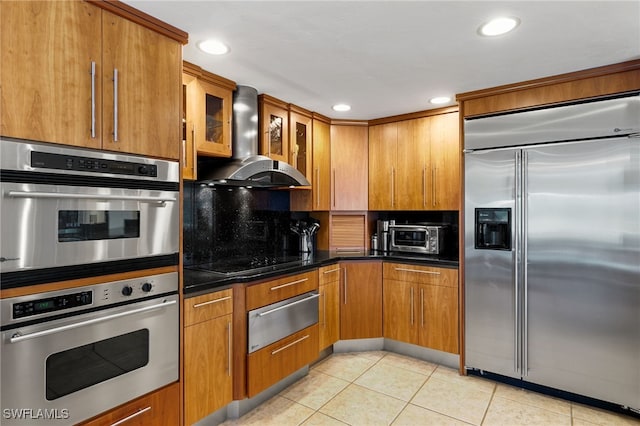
{"points": [[58, 303], [93, 225]]}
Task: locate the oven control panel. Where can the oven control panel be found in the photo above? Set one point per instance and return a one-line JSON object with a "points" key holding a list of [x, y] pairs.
{"points": [[40, 306], [51, 304], [48, 160]]}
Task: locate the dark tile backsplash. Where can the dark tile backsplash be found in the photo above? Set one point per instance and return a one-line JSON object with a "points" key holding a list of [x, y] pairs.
{"points": [[227, 221]]}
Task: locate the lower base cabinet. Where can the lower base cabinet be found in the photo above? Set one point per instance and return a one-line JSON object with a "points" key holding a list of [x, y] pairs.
{"points": [[208, 382], [273, 363], [329, 305], [361, 300], [420, 306], [159, 408]]}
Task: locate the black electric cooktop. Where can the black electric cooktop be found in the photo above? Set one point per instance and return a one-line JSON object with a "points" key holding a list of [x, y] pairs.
{"points": [[248, 264]]}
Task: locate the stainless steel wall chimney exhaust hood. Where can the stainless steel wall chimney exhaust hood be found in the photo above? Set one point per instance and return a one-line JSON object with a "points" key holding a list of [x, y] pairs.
{"points": [[246, 167]]}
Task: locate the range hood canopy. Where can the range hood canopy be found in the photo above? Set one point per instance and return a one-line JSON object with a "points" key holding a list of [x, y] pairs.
{"points": [[246, 167], [255, 170]]}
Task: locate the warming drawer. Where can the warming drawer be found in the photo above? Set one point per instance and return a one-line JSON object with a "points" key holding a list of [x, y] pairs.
{"points": [[273, 322]]}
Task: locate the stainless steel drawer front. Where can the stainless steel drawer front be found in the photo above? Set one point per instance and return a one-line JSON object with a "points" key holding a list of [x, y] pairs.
{"points": [[273, 322]]}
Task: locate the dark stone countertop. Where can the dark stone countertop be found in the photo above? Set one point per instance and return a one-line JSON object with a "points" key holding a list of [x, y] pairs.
{"points": [[197, 282]]}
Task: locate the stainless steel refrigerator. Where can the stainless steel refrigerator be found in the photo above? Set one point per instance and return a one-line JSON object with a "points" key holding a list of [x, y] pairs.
{"points": [[552, 247]]}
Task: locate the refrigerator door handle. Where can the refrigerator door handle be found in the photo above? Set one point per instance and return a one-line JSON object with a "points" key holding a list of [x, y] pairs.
{"points": [[525, 313], [516, 262]]}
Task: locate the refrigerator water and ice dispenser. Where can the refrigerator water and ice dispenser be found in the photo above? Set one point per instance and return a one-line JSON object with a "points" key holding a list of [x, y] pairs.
{"points": [[493, 229]]}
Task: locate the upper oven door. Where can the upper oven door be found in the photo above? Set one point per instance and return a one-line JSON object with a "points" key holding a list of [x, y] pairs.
{"points": [[77, 367], [46, 226]]}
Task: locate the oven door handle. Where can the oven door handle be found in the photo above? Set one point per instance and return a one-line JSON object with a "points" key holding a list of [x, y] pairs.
{"points": [[64, 195], [288, 305], [17, 337]]}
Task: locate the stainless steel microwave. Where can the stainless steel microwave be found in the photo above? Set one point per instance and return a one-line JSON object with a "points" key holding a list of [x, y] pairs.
{"points": [[425, 239]]}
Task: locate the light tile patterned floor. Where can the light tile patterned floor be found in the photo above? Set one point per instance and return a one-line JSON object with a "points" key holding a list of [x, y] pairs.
{"points": [[383, 388]]}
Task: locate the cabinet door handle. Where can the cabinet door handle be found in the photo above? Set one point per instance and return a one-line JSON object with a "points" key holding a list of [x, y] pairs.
{"points": [[184, 154], [417, 271], [93, 100], [424, 186], [411, 302], [393, 187], [324, 309], [295, 342], [433, 185], [115, 105], [333, 188], [136, 414], [229, 348], [222, 299], [422, 307], [345, 286], [316, 184], [288, 284]]}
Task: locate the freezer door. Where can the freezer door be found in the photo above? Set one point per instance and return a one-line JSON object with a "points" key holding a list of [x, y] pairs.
{"points": [[582, 225], [491, 326]]}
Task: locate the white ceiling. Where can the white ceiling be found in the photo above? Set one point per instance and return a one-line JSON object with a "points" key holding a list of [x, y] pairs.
{"points": [[389, 57]]}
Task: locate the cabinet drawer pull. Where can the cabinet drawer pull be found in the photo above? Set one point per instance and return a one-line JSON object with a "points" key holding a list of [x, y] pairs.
{"points": [[417, 270], [330, 271], [136, 414], [289, 284], [288, 305], [295, 342], [222, 299]]}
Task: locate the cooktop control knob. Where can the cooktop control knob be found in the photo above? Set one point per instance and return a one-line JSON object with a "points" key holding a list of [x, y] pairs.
{"points": [[143, 170], [146, 287], [127, 290]]}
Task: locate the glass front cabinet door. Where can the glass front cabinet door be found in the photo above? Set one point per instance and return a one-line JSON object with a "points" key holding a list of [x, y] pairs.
{"points": [[274, 123], [300, 141], [207, 103]]}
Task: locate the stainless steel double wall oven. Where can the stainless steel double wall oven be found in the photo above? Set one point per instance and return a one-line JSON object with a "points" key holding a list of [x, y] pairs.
{"points": [[67, 213]]}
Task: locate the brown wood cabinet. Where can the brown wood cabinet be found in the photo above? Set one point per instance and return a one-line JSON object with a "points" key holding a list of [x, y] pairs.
{"points": [[273, 291], [208, 369], [321, 179], [445, 154], [329, 305], [272, 363], [274, 128], [207, 116], [421, 305], [349, 167], [361, 300], [415, 164], [99, 81], [159, 408], [300, 141]]}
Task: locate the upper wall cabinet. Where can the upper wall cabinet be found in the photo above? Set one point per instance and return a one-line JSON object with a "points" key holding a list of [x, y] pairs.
{"points": [[274, 128], [300, 140], [77, 74], [414, 164], [207, 116], [349, 165]]}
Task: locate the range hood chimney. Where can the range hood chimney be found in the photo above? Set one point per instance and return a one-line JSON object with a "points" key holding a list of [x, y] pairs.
{"points": [[246, 167]]}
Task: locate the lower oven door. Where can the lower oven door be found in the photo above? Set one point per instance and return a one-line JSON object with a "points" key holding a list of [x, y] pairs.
{"points": [[64, 371]]}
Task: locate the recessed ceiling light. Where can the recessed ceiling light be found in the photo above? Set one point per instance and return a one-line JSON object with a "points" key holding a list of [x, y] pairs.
{"points": [[213, 47], [498, 26], [341, 107], [440, 100]]}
